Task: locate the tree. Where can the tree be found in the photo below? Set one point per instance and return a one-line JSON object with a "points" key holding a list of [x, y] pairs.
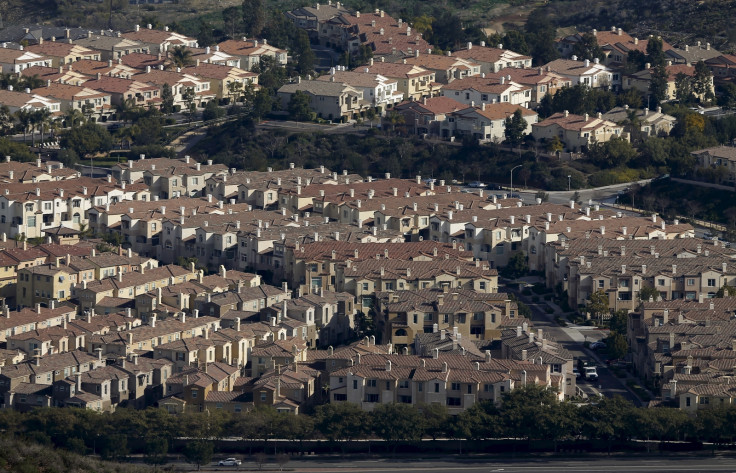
{"points": [[555, 145], [540, 35], [726, 290], [619, 321], [341, 421], [232, 20], [617, 345], [542, 195], [597, 308], [658, 84], [155, 450], [87, 139], [299, 107], [436, 419], [647, 293], [514, 128], [167, 100], [613, 153], [181, 56], [303, 54], [516, 267], [395, 118], [655, 53], [260, 102], [25, 120], [254, 17], [396, 421], [43, 120], [199, 452], [587, 48], [701, 82], [683, 88], [212, 111], [6, 120], [370, 114], [190, 107]]}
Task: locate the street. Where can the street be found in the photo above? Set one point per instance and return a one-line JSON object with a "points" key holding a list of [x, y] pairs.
{"points": [[572, 338], [485, 465]]}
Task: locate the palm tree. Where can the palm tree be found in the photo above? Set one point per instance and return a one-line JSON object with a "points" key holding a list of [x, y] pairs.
{"points": [[25, 119], [73, 117], [43, 120], [234, 90], [127, 109], [181, 56], [395, 118]]}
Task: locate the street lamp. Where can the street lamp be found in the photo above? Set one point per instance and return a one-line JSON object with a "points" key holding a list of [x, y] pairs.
{"points": [[568, 182], [512, 177]]}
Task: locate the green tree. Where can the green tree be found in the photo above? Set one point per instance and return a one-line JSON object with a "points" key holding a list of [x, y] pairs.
{"points": [[299, 107], [655, 54], [167, 100], [480, 421], [701, 83], [726, 290], [619, 322], [199, 452], [87, 139], [514, 128], [587, 48], [303, 54], [436, 419], [6, 120], [155, 450], [598, 306], [254, 17], [396, 421], [658, 83], [232, 20], [516, 267], [613, 153], [683, 88], [212, 111], [190, 107], [648, 292], [617, 346], [25, 121], [540, 35], [181, 56], [341, 421]]}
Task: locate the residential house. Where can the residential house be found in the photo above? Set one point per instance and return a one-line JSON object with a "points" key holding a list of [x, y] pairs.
{"points": [[62, 53], [180, 84], [446, 68], [426, 116], [577, 132], [481, 89], [250, 52], [329, 100], [590, 73], [91, 102], [159, 41], [112, 47], [14, 61], [416, 83], [16, 101], [719, 159], [649, 122], [492, 59], [379, 91], [223, 79], [121, 90], [485, 123]]}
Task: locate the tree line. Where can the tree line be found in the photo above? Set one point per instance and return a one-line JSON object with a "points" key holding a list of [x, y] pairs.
{"points": [[527, 414]]}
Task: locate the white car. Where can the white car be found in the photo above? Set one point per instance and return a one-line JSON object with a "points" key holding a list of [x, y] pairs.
{"points": [[229, 462]]}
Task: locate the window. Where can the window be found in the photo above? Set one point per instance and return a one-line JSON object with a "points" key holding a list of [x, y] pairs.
{"points": [[355, 384], [488, 388], [687, 401], [690, 282], [371, 398], [660, 282], [371, 383], [420, 387], [365, 286], [455, 386], [453, 401], [711, 283], [705, 400], [194, 394], [482, 285], [601, 283], [263, 397]]}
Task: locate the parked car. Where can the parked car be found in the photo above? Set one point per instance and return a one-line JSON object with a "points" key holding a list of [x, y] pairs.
{"points": [[591, 374], [476, 184], [229, 462], [597, 345]]}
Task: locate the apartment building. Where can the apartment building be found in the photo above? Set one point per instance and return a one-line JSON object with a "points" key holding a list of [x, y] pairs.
{"points": [[13, 323], [590, 73], [123, 90], [112, 47], [26, 100], [425, 116], [311, 18], [541, 81], [446, 68], [14, 61], [180, 83], [251, 51], [96, 69], [63, 53], [486, 123], [378, 31], [159, 41], [55, 74], [380, 91], [223, 78], [91, 102]]}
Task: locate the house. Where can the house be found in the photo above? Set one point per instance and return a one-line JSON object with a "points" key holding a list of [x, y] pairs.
{"points": [[491, 59], [159, 41], [327, 99], [224, 80], [446, 68], [378, 31], [37, 318], [413, 81], [62, 53], [28, 101], [722, 67], [14, 61], [180, 83], [312, 18], [641, 80], [590, 73], [213, 55], [379, 91], [721, 159], [250, 52], [650, 122], [96, 69], [541, 81], [121, 90], [42, 284], [426, 115], [112, 47], [692, 54], [88, 101], [481, 89], [60, 74], [577, 132], [485, 123]]}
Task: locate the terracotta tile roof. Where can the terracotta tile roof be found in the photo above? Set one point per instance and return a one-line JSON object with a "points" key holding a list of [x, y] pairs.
{"points": [[117, 85], [141, 60], [435, 105], [396, 71], [217, 71]]}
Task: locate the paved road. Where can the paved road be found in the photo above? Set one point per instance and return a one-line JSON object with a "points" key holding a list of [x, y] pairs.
{"points": [[606, 194], [470, 465], [572, 338]]}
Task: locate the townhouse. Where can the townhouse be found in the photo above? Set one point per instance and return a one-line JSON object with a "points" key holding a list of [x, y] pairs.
{"points": [[96, 69], [159, 41], [401, 316], [188, 391], [541, 81], [485, 123], [492, 60], [139, 61], [189, 182], [61, 75], [213, 55], [312, 18], [330, 100], [14, 61], [62, 53], [481, 89], [416, 83], [251, 51], [38, 318], [453, 380], [577, 132], [381, 92], [640, 80], [691, 54], [245, 299]]}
